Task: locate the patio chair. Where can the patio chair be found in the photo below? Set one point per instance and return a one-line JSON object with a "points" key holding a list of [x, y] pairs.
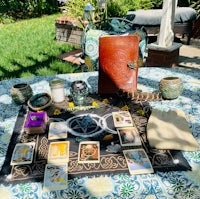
{"points": [[151, 19]]}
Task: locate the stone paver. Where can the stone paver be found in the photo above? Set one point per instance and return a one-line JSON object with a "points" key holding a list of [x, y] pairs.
{"points": [[189, 55]]}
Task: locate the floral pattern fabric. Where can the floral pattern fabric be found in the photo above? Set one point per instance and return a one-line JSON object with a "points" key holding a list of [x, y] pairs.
{"points": [[162, 185]]}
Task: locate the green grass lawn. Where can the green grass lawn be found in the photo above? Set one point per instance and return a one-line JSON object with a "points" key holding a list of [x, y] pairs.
{"points": [[29, 48]]}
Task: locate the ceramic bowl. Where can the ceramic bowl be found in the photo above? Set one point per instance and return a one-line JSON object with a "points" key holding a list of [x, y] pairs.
{"points": [[39, 101], [21, 93], [170, 87]]}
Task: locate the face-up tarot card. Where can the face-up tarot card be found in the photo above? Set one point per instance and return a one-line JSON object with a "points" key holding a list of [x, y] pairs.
{"points": [[129, 136], [122, 119], [55, 177], [58, 152], [57, 130], [138, 161], [89, 152], [23, 153]]}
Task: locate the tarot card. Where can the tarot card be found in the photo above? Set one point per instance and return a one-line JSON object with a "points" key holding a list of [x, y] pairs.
{"points": [[55, 177], [23, 153], [122, 119], [57, 130], [58, 152], [129, 136], [89, 152], [138, 161]]}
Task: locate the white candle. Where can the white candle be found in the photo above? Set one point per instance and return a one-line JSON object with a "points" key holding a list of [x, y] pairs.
{"points": [[57, 90]]}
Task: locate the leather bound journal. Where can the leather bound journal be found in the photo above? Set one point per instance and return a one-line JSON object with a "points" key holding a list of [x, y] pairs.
{"points": [[118, 63]]}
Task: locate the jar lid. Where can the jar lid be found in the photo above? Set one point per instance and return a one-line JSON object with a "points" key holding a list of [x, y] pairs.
{"points": [[56, 82]]}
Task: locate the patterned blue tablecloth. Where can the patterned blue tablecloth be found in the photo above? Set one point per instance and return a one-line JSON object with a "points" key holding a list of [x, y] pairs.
{"points": [[160, 185]]}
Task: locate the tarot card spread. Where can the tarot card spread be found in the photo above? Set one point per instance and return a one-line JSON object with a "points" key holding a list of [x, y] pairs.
{"points": [[89, 152], [23, 153], [55, 177], [106, 134]]}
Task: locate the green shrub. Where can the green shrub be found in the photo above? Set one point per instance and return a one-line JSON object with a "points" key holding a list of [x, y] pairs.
{"points": [[115, 8], [5, 18], [157, 3], [75, 8], [29, 8]]}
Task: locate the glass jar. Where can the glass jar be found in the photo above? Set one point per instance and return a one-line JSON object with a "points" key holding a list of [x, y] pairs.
{"points": [[79, 92], [57, 90]]}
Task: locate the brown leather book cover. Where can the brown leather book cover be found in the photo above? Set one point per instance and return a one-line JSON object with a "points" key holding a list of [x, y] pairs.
{"points": [[118, 63]]}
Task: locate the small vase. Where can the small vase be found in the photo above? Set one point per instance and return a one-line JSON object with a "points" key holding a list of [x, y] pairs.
{"points": [[170, 87], [21, 93]]}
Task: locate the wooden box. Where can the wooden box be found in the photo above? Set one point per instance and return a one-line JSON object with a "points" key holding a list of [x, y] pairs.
{"points": [[68, 32]]}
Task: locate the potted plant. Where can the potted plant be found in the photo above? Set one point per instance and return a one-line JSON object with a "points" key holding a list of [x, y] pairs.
{"points": [[69, 27]]}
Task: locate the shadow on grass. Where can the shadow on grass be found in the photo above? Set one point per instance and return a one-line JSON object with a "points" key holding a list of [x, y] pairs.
{"points": [[49, 66]]}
